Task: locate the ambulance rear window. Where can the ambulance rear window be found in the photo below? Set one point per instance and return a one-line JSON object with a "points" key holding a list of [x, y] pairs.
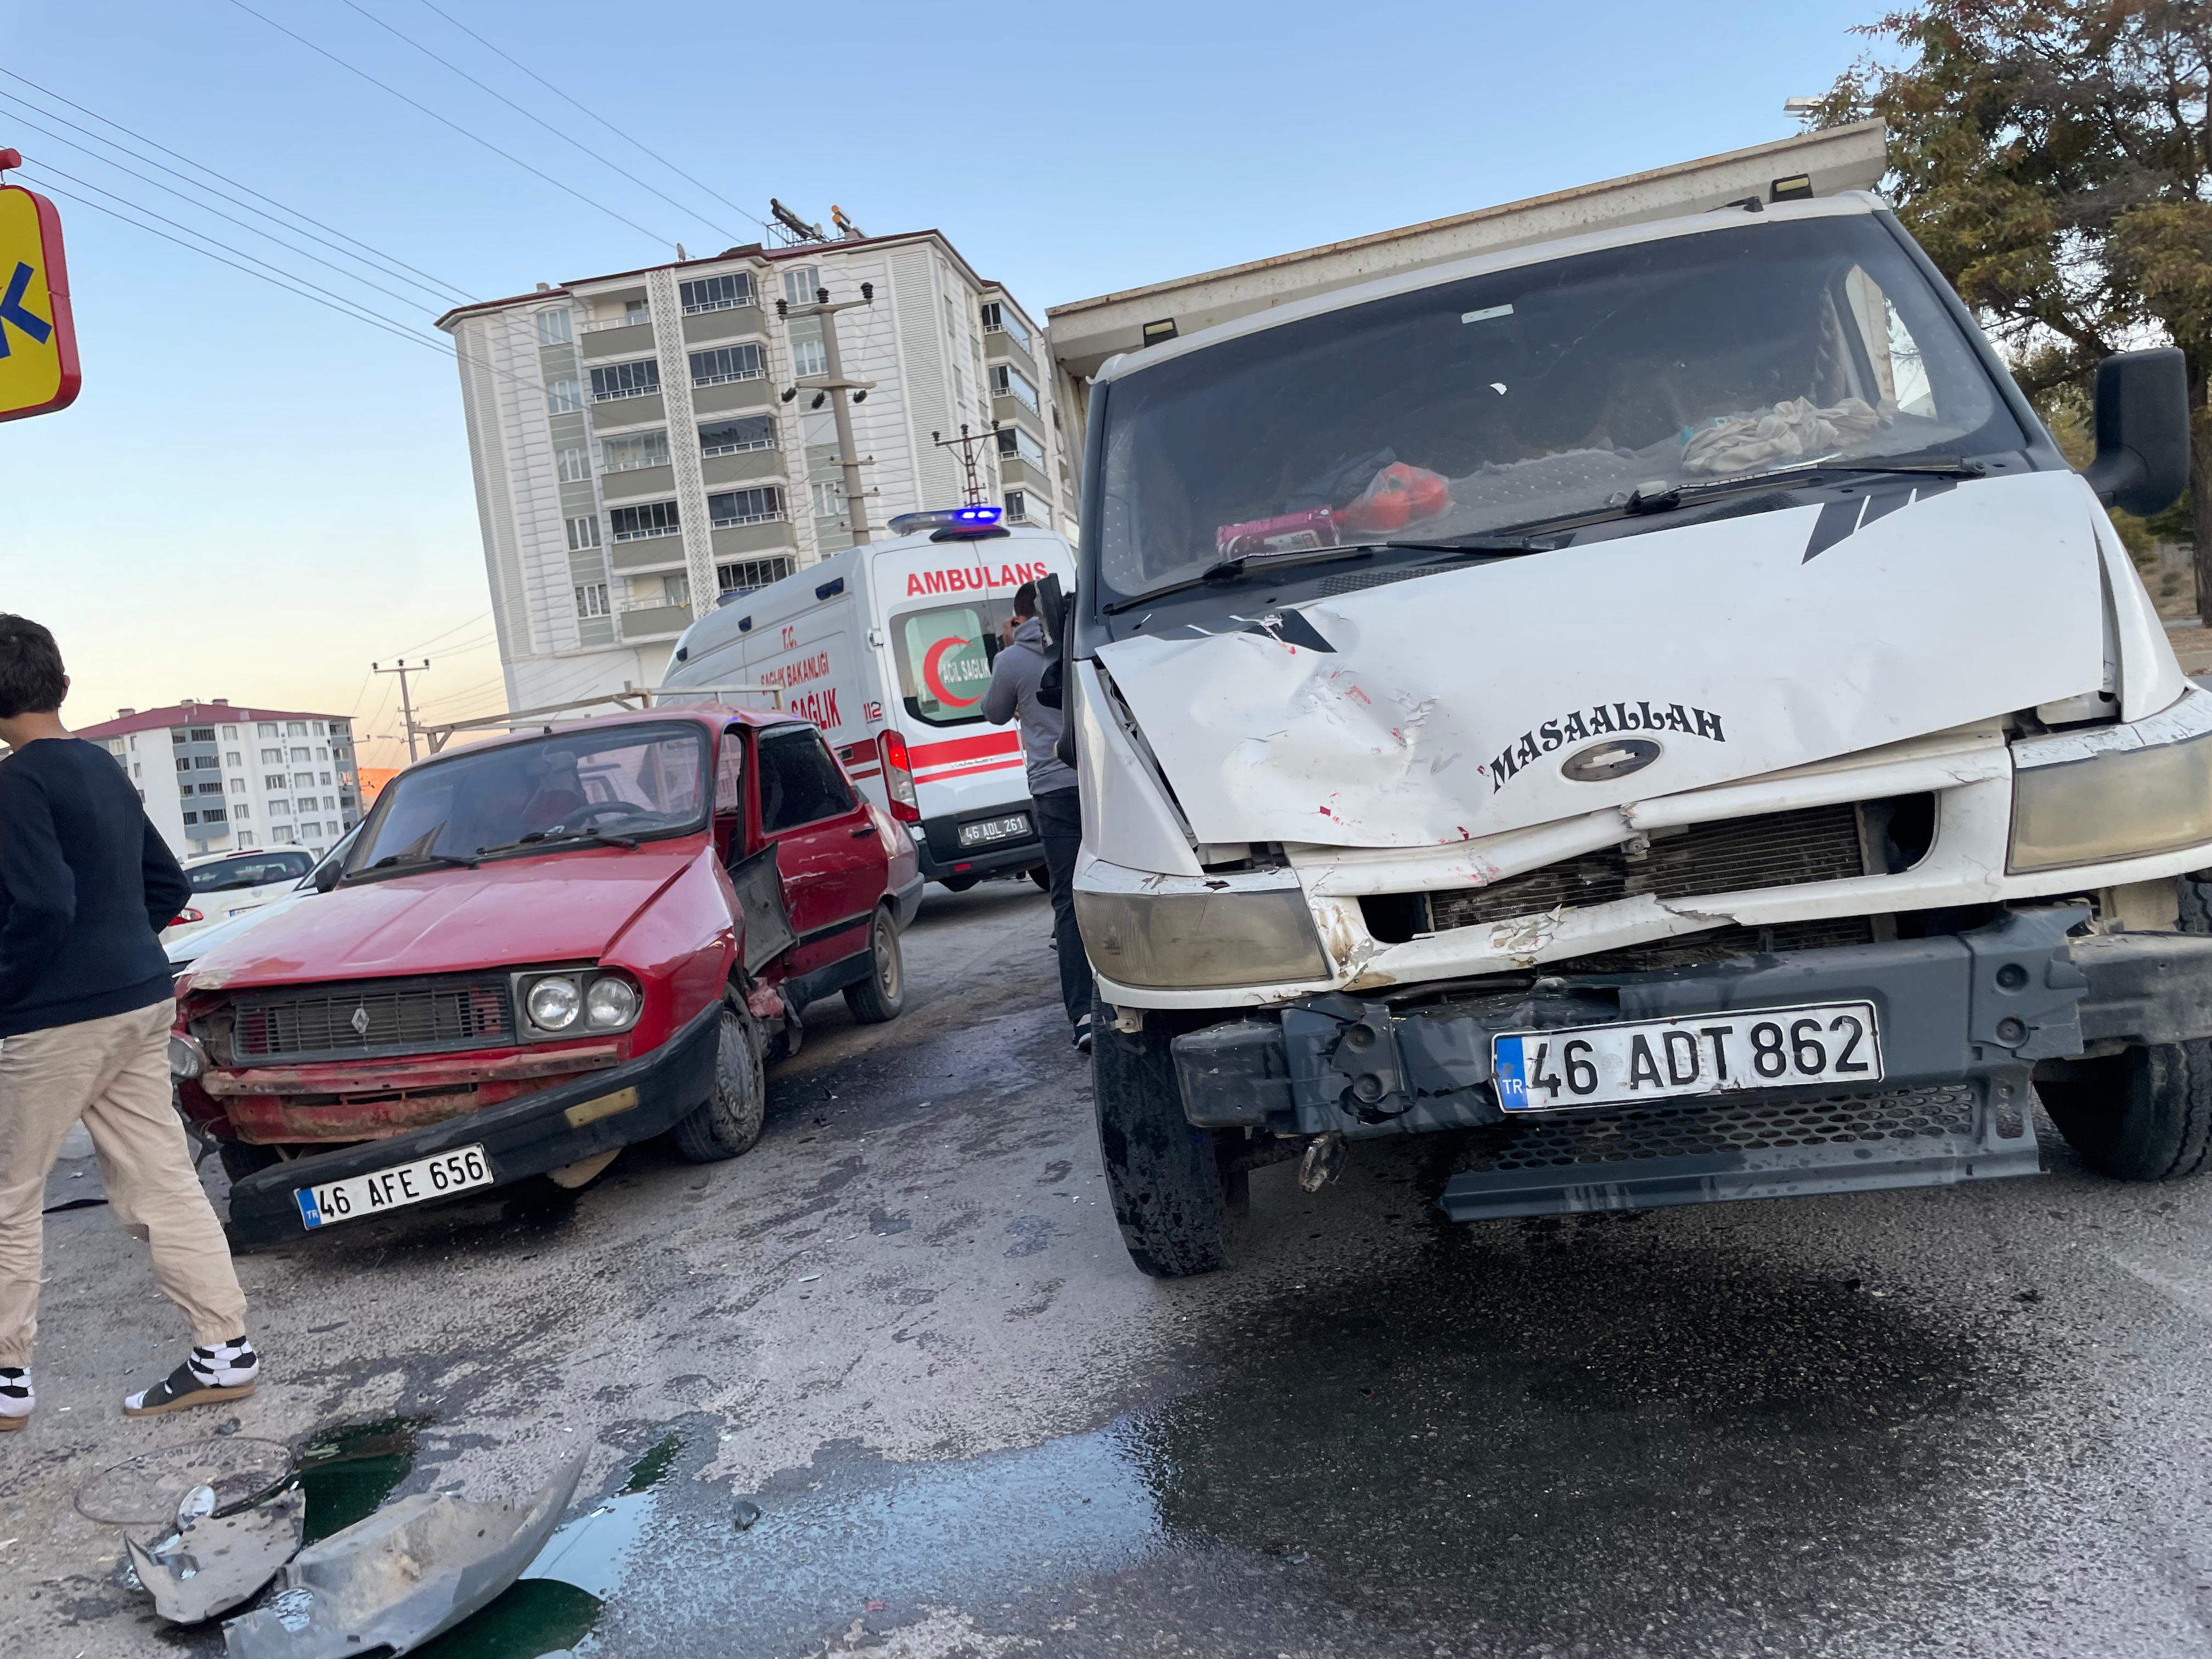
{"points": [[945, 655]]}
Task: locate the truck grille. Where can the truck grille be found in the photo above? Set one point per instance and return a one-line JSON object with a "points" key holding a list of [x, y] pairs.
{"points": [[1780, 849], [377, 1017]]}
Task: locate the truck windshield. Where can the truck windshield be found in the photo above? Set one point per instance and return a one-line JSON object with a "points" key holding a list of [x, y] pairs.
{"points": [[519, 797], [1526, 394]]}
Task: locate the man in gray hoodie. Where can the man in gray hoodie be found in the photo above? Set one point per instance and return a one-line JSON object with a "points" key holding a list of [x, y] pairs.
{"points": [[1012, 695]]}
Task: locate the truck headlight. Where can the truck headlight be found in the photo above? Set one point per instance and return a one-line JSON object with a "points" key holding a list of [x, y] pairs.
{"points": [[187, 1059], [2122, 802], [610, 1004], [553, 1003], [1175, 941]]}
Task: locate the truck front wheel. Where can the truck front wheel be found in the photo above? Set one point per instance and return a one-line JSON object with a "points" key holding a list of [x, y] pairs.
{"points": [[728, 1121], [2145, 1114], [1163, 1176]]}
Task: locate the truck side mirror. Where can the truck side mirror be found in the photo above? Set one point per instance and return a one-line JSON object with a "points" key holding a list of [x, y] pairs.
{"points": [[326, 876], [2142, 431]]}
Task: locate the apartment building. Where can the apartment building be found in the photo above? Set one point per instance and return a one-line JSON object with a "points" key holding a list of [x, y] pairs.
{"points": [[637, 456], [217, 777]]}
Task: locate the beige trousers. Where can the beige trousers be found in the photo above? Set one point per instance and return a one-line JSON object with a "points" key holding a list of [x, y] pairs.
{"points": [[113, 1073]]}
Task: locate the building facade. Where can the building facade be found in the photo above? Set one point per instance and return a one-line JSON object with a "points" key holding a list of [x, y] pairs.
{"points": [[217, 777], [634, 457]]}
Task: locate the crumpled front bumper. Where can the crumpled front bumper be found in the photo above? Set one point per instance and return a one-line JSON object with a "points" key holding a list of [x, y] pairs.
{"points": [[1964, 1019], [528, 1135]]}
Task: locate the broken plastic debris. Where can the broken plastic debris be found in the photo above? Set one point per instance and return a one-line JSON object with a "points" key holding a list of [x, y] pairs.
{"points": [[396, 1579], [211, 1563], [744, 1513], [195, 1505]]}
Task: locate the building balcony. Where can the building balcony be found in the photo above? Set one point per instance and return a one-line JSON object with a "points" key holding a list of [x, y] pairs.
{"points": [[648, 553], [1004, 406], [727, 397], [656, 482], [615, 338], [654, 619], [745, 322], [746, 467], [621, 414], [1015, 473], [747, 541], [1000, 347]]}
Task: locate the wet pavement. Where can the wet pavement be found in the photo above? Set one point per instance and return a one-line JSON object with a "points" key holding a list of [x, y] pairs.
{"points": [[888, 1384]]}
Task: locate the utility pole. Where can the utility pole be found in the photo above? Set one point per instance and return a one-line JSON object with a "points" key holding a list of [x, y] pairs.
{"points": [[403, 668], [966, 445], [835, 385]]}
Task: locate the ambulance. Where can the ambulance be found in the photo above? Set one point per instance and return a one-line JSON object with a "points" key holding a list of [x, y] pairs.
{"points": [[888, 647]]}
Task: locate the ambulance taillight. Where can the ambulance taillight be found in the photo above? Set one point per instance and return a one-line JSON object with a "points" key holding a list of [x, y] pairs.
{"points": [[898, 780]]}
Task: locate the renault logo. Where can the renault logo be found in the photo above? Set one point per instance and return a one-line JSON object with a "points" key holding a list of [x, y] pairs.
{"points": [[1616, 757], [360, 1021]]}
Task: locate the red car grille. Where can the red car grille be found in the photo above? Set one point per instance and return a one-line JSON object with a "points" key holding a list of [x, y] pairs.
{"points": [[379, 1017]]}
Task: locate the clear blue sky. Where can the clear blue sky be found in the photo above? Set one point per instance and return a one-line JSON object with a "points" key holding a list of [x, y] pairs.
{"points": [[254, 497]]}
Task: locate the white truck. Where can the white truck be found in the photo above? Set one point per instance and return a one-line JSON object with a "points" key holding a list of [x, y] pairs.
{"points": [[888, 646], [1655, 701]]}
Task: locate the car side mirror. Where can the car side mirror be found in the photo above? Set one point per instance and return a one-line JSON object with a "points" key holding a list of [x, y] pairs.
{"points": [[326, 876], [2142, 431]]}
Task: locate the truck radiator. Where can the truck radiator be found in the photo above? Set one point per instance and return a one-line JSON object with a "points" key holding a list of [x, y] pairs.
{"points": [[378, 1016], [1777, 849]]}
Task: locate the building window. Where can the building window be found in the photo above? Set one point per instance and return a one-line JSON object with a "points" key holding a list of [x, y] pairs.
{"points": [[324, 776], [279, 809], [274, 781], [213, 815], [574, 465], [745, 574], [311, 829], [230, 757], [1016, 445], [1007, 382], [676, 590], [329, 802], [638, 449], [635, 311], [829, 498], [296, 728], [184, 764], [808, 355], [592, 600], [724, 293], [737, 362], [230, 735], [266, 729], [637, 524], [204, 762], [178, 735], [212, 786], [245, 836], [639, 378], [203, 734], [238, 786], [735, 437], [322, 751], [1018, 507], [553, 327], [269, 756], [138, 771], [737, 507], [564, 396], [1000, 319], [192, 818], [282, 834], [800, 283], [302, 754], [303, 780], [583, 534], [240, 810]]}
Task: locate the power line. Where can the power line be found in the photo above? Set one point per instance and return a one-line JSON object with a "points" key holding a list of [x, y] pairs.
{"points": [[634, 143], [294, 212], [404, 298], [435, 638], [455, 125], [528, 115]]}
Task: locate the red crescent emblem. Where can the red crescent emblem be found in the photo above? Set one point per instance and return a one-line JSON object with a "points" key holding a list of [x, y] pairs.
{"points": [[931, 663]]}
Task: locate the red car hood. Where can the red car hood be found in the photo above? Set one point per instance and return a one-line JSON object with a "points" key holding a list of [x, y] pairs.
{"points": [[567, 906]]}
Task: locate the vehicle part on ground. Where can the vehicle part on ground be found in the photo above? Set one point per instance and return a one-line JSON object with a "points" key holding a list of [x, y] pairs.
{"points": [[728, 1121], [146, 1491], [1322, 1163], [212, 1563], [1162, 1173], [881, 996], [2144, 1113], [578, 1175], [401, 1577], [240, 1160]]}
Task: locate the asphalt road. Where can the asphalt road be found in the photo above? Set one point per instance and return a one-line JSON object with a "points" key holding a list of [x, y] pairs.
{"points": [[902, 1328]]}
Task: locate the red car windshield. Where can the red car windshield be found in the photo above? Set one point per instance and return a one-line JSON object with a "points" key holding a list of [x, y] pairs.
{"points": [[577, 787]]}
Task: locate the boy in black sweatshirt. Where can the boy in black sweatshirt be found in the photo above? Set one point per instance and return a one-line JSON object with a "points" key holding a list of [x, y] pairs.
{"points": [[86, 885]]}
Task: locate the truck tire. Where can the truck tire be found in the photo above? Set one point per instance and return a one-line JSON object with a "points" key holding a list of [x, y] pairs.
{"points": [[881, 996], [728, 1121], [240, 1160], [2146, 1114], [1163, 1176]]}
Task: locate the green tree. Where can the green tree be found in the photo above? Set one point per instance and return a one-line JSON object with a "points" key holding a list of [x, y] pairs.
{"points": [[2055, 159]]}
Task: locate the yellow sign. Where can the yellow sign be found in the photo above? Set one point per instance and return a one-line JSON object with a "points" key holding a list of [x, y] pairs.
{"points": [[38, 339]]}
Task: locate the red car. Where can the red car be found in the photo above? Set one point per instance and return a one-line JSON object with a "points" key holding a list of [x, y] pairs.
{"points": [[541, 950]]}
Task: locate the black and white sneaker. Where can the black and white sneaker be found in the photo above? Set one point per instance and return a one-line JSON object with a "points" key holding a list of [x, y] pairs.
{"points": [[1083, 1035], [15, 1401], [228, 1370]]}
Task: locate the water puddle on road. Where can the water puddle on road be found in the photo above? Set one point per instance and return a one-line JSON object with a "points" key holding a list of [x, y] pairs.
{"points": [[348, 1471]]}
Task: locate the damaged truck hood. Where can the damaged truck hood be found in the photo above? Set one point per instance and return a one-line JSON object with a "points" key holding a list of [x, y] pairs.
{"points": [[1462, 702], [566, 908]]}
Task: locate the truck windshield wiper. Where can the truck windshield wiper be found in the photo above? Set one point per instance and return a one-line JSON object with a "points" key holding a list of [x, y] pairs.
{"points": [[1647, 498], [1260, 564], [549, 837], [424, 861]]}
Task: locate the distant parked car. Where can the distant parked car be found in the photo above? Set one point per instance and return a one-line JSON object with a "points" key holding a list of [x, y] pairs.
{"points": [[193, 940], [226, 884]]}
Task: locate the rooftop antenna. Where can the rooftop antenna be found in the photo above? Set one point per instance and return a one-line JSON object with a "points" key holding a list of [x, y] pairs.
{"points": [[796, 229], [965, 443]]}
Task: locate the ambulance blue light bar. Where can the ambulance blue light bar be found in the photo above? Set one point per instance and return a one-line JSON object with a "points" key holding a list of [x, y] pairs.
{"points": [[946, 518]]}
